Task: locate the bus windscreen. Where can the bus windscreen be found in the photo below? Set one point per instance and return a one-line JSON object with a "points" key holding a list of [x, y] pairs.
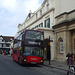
{"points": [[33, 51]]}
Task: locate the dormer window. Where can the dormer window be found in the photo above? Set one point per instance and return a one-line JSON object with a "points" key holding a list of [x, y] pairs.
{"points": [[29, 15], [40, 12]]}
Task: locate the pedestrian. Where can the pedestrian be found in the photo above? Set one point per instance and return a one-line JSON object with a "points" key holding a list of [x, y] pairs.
{"points": [[71, 65], [4, 52], [67, 58], [71, 60]]}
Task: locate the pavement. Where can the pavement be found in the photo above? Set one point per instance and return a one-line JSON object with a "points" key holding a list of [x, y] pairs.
{"points": [[56, 64]]}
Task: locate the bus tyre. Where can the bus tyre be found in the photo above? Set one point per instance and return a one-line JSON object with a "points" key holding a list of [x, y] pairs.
{"points": [[19, 61]]}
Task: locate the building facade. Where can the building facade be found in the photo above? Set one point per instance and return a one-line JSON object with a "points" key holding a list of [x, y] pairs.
{"points": [[5, 42], [64, 28], [42, 19], [57, 19]]}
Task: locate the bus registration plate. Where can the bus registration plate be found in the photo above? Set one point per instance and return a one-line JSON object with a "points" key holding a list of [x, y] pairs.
{"points": [[33, 62]]}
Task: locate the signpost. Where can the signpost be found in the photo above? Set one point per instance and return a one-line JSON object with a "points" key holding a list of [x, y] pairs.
{"points": [[50, 43]]}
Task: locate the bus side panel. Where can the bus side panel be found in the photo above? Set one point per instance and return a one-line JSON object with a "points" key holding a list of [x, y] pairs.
{"points": [[15, 56]]}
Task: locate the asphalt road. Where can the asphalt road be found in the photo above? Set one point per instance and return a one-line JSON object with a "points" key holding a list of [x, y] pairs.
{"points": [[9, 67]]}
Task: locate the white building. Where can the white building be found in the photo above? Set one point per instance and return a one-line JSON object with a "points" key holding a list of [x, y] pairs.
{"points": [[5, 42], [42, 19]]}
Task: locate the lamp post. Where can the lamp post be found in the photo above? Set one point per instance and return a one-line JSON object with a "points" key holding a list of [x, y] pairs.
{"points": [[49, 51]]}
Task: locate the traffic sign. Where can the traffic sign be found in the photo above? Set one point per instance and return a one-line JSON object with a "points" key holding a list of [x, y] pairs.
{"points": [[51, 39]]}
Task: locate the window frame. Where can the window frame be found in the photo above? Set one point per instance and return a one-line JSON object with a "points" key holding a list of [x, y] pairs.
{"points": [[47, 25], [61, 48]]}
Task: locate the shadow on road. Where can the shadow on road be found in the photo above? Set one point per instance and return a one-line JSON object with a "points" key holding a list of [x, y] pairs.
{"points": [[31, 65]]}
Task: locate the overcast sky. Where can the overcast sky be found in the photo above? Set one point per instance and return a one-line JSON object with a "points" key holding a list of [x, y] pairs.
{"points": [[13, 12]]}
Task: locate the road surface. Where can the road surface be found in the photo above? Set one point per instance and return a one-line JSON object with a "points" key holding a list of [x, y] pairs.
{"points": [[9, 67]]}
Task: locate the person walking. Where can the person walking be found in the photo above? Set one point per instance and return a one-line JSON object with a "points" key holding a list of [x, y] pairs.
{"points": [[71, 60], [67, 58], [71, 65]]}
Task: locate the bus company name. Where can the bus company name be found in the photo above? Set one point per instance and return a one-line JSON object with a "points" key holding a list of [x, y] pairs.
{"points": [[36, 43], [33, 59]]}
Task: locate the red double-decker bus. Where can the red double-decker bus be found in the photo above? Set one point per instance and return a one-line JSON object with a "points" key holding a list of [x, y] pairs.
{"points": [[28, 47]]}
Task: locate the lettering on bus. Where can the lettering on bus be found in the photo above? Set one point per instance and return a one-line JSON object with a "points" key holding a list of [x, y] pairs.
{"points": [[33, 58], [33, 42]]}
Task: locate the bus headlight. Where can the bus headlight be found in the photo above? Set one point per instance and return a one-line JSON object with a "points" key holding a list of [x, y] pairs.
{"points": [[41, 60]]}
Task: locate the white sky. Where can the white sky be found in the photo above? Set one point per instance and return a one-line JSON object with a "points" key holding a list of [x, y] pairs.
{"points": [[13, 12]]}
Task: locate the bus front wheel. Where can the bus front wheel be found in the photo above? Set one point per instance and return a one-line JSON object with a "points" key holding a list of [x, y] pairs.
{"points": [[19, 61]]}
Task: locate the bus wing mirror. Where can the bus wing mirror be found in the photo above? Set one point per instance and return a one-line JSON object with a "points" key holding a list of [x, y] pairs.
{"points": [[20, 48]]}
